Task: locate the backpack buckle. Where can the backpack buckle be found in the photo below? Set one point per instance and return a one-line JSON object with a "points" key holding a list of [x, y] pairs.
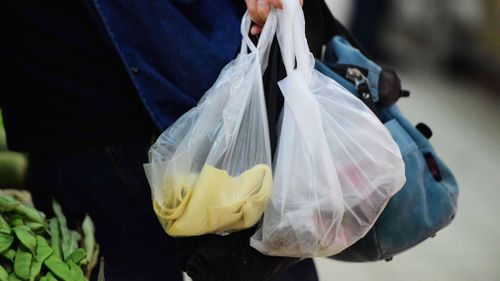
{"points": [[362, 85]]}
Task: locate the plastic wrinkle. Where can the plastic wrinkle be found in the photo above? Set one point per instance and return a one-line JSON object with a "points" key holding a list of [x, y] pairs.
{"points": [[336, 165], [210, 172]]}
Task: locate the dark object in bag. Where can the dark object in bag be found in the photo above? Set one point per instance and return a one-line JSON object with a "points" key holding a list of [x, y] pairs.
{"points": [[227, 258]]}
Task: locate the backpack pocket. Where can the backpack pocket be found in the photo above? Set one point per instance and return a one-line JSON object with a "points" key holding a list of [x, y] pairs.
{"points": [[425, 204], [403, 139]]}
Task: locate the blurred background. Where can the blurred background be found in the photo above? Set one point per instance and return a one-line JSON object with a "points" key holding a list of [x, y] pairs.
{"points": [[448, 55], [12, 164]]}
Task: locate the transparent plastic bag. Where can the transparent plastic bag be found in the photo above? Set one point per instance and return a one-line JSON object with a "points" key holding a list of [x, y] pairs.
{"points": [[336, 165], [210, 172]]}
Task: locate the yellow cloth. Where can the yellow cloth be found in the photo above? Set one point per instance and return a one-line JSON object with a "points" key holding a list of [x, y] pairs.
{"points": [[216, 202]]}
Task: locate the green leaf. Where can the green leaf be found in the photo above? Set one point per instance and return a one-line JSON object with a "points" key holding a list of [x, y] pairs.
{"points": [[51, 277], [22, 263], [43, 251], [13, 277], [55, 237], [4, 226], [6, 241], [37, 227], [100, 275], [10, 254], [26, 237], [90, 245], [89, 238], [48, 277], [66, 239], [75, 238], [90, 265], [59, 268], [15, 219], [76, 272], [77, 256], [30, 213], [36, 268], [4, 275], [8, 203]]}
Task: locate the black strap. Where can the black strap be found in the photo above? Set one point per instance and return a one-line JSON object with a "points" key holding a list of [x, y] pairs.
{"points": [[366, 96], [274, 98]]}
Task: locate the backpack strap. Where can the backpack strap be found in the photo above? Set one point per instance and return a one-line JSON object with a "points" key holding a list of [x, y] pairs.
{"points": [[274, 72]]}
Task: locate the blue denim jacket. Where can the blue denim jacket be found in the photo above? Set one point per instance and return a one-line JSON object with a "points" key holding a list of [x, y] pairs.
{"points": [[173, 49], [82, 86]]}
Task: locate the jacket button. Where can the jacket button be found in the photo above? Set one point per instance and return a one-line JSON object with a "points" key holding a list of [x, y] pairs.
{"points": [[134, 70]]}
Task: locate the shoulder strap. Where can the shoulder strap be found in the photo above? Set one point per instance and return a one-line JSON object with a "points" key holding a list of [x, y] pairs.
{"points": [[274, 72]]}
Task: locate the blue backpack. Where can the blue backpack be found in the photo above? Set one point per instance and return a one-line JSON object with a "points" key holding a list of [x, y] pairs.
{"points": [[428, 200]]}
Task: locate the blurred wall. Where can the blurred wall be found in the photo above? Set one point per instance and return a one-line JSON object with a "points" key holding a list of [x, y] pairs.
{"points": [[458, 37]]}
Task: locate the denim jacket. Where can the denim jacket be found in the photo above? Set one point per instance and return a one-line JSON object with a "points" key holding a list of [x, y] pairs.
{"points": [[166, 55], [173, 49]]}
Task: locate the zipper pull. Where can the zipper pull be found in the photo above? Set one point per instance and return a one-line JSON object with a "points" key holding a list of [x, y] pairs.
{"points": [[355, 75], [362, 85]]}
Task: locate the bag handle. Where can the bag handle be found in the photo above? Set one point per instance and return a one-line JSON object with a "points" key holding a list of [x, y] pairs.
{"points": [[300, 103], [265, 38], [291, 33]]}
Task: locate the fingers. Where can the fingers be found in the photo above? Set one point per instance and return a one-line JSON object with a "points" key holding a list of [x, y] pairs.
{"points": [[276, 3], [259, 10], [252, 9], [263, 9], [255, 30]]}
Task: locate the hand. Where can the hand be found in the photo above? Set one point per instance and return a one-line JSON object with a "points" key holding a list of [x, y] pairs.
{"points": [[258, 11]]}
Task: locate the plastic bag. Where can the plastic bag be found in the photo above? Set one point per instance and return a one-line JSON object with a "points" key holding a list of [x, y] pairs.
{"points": [[210, 172], [336, 165]]}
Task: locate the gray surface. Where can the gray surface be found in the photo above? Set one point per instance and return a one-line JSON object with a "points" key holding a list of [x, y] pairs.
{"points": [[466, 124]]}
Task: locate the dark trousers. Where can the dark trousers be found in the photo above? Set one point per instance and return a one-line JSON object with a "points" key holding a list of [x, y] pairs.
{"points": [[109, 184]]}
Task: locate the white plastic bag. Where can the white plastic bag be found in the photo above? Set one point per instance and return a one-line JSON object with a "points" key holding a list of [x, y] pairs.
{"points": [[336, 165], [210, 172]]}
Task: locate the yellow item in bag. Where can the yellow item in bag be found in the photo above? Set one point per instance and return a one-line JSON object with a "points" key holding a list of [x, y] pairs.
{"points": [[216, 202]]}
